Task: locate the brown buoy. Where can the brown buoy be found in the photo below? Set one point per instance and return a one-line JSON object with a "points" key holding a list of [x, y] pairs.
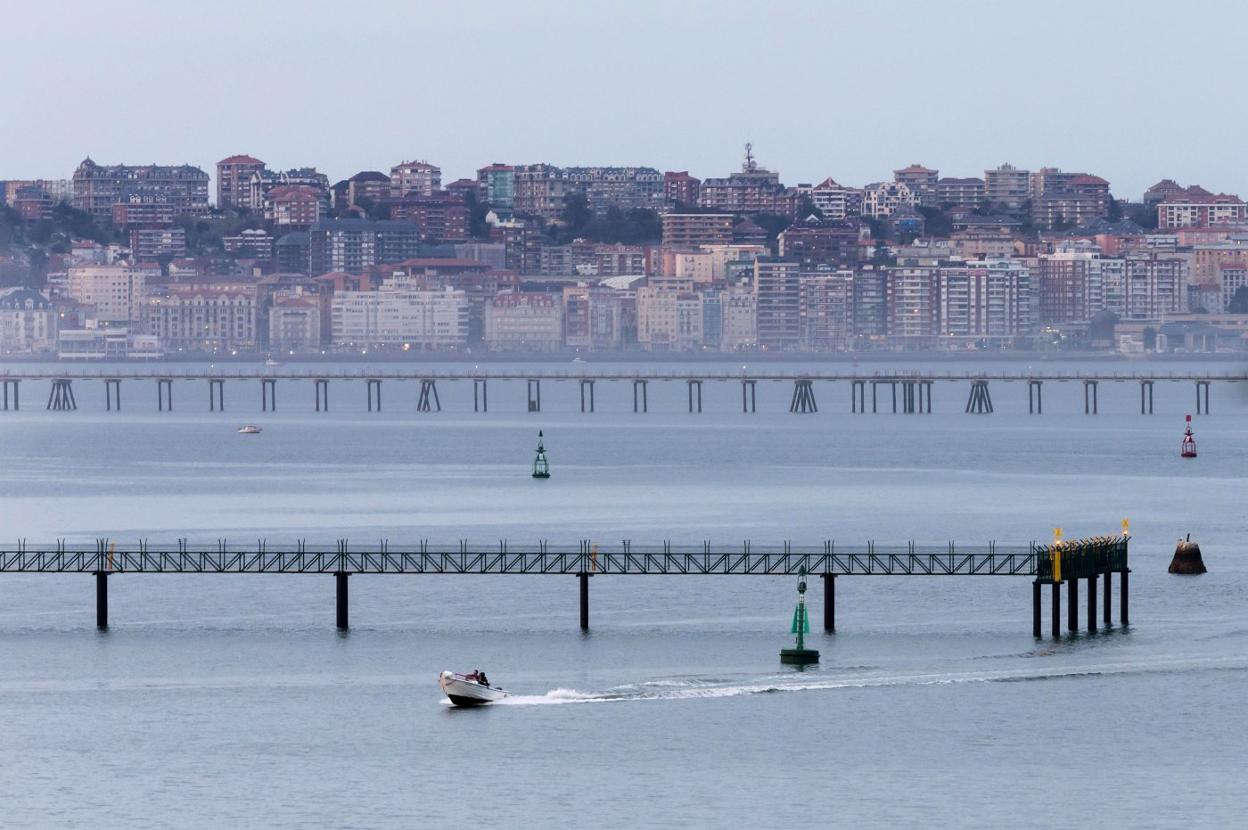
{"points": [[1187, 558]]}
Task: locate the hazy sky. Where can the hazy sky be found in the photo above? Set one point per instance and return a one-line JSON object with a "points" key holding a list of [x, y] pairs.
{"points": [[1132, 91]]}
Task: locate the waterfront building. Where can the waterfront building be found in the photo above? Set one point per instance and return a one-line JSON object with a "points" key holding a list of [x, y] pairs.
{"points": [[870, 304], [984, 299], [182, 188], [778, 292], [401, 314], [913, 304], [234, 181], [295, 324], [592, 317], [204, 317], [739, 319], [28, 322], [516, 322], [522, 245], [414, 178], [691, 229], [1154, 285], [115, 294], [827, 309]]}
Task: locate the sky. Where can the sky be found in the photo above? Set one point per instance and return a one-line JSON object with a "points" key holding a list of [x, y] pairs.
{"points": [[1131, 91]]}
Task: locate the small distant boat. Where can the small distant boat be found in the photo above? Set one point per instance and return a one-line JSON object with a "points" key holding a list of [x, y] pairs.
{"points": [[271, 362], [471, 689], [249, 429]]}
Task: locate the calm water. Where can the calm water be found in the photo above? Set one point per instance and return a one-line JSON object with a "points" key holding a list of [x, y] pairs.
{"points": [[231, 701]]}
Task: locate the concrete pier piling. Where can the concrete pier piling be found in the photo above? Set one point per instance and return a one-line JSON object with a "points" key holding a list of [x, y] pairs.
{"points": [[101, 599], [640, 396], [164, 394], [695, 395], [61, 396], [342, 599], [428, 400], [829, 602], [373, 390], [1089, 397], [583, 579], [980, 401], [1202, 387], [587, 395], [749, 400], [1146, 397], [216, 394], [803, 401], [268, 395], [480, 395], [1035, 397], [535, 394], [1035, 609], [321, 391], [1072, 605], [8, 385]]}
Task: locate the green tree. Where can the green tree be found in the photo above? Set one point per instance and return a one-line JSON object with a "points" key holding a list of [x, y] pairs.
{"points": [[576, 214], [1115, 210]]}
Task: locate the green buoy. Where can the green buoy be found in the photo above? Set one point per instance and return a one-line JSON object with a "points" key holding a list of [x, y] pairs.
{"points": [[801, 655], [541, 467]]}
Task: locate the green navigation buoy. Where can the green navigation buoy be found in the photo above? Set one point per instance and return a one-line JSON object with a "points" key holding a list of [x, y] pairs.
{"points": [[801, 655], [541, 467]]}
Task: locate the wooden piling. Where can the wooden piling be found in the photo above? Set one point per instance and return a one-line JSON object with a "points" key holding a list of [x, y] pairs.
{"points": [[829, 602], [342, 598], [101, 599]]}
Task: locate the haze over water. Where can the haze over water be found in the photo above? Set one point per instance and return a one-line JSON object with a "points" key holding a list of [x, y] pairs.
{"points": [[219, 700]]}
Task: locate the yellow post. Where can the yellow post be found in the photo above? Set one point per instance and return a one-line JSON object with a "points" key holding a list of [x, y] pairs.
{"points": [[1126, 527], [593, 559], [1057, 554]]}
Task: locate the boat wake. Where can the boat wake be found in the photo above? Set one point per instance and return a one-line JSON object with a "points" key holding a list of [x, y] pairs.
{"points": [[694, 688]]}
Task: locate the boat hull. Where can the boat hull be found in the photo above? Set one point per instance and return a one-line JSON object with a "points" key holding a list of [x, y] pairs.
{"points": [[465, 692]]}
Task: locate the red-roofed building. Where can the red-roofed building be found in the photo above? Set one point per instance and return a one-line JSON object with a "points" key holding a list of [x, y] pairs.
{"points": [[441, 217], [1196, 207], [293, 206], [234, 180], [679, 188]]}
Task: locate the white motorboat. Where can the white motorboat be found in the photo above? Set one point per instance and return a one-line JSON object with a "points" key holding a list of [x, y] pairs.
{"points": [[469, 689], [249, 429]]}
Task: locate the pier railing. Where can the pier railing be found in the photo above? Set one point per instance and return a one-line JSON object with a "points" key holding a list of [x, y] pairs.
{"points": [[1081, 558], [504, 557]]}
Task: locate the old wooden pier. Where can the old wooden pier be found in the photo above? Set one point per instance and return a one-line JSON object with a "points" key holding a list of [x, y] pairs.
{"points": [[1069, 562], [889, 392]]}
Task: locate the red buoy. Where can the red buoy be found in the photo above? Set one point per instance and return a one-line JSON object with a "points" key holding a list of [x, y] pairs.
{"points": [[1188, 449]]}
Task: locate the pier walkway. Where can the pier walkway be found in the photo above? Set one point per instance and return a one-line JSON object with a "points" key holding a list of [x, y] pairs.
{"points": [[897, 392], [1068, 562]]}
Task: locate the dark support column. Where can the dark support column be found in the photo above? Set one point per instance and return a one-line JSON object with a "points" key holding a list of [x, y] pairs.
{"points": [[1123, 607], [340, 585], [1035, 609], [1072, 604], [1055, 612], [829, 602], [101, 599], [584, 580], [1107, 615], [1092, 603]]}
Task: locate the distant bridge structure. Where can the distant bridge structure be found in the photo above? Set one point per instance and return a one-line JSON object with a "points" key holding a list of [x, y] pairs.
{"points": [[896, 392]]}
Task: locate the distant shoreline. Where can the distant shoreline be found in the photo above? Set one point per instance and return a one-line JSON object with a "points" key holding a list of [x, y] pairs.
{"points": [[660, 358]]}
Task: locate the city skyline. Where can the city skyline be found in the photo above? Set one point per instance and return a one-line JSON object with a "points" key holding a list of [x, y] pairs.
{"points": [[602, 107]]}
